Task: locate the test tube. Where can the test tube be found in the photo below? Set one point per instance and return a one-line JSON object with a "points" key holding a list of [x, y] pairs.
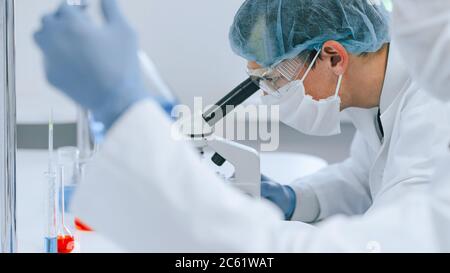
{"points": [[51, 196], [70, 172], [65, 238], [51, 237], [69, 175]]}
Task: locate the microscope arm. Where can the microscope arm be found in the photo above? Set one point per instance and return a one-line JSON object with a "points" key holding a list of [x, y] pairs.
{"points": [[246, 162]]}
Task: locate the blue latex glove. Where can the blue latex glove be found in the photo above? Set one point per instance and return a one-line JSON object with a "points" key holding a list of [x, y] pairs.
{"points": [[96, 66], [283, 196], [167, 106]]}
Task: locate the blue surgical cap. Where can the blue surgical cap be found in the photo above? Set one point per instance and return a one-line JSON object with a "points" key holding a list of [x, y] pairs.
{"points": [[270, 31]]}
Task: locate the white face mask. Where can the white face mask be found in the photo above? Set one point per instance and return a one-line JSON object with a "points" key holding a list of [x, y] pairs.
{"points": [[301, 112]]}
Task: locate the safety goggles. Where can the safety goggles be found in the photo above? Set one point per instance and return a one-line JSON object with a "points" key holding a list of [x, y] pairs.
{"points": [[271, 80]]}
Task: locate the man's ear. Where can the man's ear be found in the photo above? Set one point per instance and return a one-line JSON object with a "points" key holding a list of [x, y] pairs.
{"points": [[335, 57]]}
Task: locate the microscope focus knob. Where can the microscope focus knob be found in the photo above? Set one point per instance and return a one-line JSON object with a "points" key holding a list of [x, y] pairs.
{"points": [[218, 160]]}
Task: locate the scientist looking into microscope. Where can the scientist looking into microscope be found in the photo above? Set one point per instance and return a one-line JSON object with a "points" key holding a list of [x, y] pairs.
{"points": [[194, 210], [352, 67]]}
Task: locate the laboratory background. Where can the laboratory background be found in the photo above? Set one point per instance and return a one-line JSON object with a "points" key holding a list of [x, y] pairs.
{"points": [[190, 65]]}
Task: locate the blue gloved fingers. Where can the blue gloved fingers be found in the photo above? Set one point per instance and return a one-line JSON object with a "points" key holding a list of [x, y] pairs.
{"points": [[39, 34], [267, 186], [47, 20], [112, 12], [166, 105], [283, 196], [292, 197], [97, 67], [265, 178], [270, 189], [39, 38], [48, 27], [68, 12], [58, 19]]}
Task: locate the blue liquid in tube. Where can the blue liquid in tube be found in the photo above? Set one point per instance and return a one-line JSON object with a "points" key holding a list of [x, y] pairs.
{"points": [[51, 245]]}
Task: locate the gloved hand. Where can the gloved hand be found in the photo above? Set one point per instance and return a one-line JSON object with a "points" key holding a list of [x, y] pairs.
{"points": [[283, 196], [96, 66]]}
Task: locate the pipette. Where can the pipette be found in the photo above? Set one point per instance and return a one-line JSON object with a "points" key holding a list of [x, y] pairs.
{"points": [[80, 3], [154, 78], [50, 143], [65, 239], [51, 240]]}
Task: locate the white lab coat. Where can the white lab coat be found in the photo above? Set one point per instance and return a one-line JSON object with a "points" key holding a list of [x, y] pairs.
{"points": [[421, 219], [422, 29], [150, 193], [380, 171]]}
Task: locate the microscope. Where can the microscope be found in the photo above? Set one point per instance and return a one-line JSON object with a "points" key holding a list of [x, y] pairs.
{"points": [[245, 160]]}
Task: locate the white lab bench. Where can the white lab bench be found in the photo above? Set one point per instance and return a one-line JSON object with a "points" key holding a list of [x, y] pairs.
{"points": [[31, 166]]}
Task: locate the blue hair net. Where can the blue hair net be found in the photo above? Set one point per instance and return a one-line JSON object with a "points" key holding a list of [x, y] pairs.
{"points": [[270, 31]]}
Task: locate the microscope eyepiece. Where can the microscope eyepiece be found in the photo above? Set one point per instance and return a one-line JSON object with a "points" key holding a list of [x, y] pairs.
{"points": [[233, 99]]}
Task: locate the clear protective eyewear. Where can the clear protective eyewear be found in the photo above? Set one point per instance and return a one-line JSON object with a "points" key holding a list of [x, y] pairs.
{"points": [[271, 80]]}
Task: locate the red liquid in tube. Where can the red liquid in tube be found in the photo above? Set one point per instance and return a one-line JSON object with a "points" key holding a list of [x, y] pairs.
{"points": [[66, 244]]}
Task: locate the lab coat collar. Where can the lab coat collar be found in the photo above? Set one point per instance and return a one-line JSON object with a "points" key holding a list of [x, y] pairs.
{"points": [[396, 79], [396, 84], [394, 88], [365, 122]]}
